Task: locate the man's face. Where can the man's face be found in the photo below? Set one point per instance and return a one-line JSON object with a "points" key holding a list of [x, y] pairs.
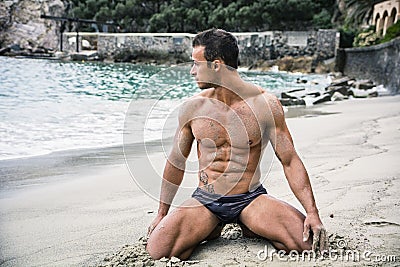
{"points": [[203, 74]]}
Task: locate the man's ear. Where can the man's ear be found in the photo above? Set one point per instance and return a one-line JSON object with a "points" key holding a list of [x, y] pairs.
{"points": [[217, 64]]}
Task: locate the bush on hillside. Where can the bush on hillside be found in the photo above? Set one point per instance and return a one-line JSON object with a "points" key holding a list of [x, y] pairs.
{"points": [[346, 37], [366, 37], [391, 33]]}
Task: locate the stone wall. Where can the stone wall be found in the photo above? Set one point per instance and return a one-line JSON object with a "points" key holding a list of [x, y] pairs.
{"points": [[134, 47], [321, 44], [380, 63], [158, 47], [254, 46]]}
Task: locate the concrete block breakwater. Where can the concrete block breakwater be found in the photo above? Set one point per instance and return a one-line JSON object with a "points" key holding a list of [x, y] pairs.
{"points": [[254, 46]]}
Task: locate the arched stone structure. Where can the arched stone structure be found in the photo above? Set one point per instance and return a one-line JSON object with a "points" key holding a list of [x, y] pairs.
{"points": [[385, 15]]}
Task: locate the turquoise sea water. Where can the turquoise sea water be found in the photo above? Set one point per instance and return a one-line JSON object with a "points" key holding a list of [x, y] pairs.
{"points": [[48, 106]]}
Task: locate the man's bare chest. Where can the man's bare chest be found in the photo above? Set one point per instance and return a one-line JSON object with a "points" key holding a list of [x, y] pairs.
{"points": [[240, 126]]}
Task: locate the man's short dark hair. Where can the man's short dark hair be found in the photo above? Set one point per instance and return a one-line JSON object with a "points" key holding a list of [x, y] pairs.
{"points": [[219, 44]]}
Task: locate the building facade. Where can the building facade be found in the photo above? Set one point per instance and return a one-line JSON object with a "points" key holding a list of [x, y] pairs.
{"points": [[385, 15]]}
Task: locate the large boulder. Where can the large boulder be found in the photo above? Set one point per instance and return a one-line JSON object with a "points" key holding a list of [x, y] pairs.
{"points": [[292, 102], [20, 24], [364, 84], [363, 88], [301, 96], [293, 94], [362, 93], [337, 96], [342, 89], [301, 64], [321, 99], [344, 81]]}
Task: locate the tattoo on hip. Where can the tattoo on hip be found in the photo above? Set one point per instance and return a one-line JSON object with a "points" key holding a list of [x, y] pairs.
{"points": [[204, 180]]}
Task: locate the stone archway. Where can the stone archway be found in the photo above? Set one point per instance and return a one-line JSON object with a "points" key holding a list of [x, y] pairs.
{"points": [[385, 15], [390, 20], [379, 25], [394, 15], [385, 18]]}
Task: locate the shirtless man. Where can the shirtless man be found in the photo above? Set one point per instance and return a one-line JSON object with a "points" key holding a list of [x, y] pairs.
{"points": [[232, 122]]}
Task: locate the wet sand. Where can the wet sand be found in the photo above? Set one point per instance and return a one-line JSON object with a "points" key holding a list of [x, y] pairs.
{"points": [[86, 213]]}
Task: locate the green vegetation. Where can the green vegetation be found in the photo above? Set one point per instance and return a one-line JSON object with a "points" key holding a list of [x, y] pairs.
{"points": [[195, 15], [369, 37], [239, 16], [347, 37], [391, 33], [366, 37], [359, 12]]}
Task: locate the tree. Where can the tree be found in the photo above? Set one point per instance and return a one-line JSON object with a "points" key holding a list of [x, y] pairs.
{"points": [[359, 12], [195, 20], [322, 20], [196, 15]]}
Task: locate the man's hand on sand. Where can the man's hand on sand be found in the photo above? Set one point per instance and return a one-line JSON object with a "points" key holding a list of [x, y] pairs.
{"points": [[154, 224], [320, 240]]}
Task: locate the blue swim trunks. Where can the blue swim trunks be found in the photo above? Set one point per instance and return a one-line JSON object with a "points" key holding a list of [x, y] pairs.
{"points": [[227, 208]]}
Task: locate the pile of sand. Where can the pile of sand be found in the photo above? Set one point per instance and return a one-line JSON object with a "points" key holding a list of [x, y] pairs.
{"points": [[231, 239]]}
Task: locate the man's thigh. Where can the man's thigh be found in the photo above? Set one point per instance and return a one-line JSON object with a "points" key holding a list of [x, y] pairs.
{"points": [[181, 230], [277, 221]]}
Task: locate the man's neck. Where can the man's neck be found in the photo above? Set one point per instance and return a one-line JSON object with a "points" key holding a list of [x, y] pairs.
{"points": [[232, 88]]}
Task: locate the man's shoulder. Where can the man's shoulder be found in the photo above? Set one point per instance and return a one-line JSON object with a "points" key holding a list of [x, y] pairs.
{"points": [[194, 101], [192, 104], [267, 97], [269, 103]]}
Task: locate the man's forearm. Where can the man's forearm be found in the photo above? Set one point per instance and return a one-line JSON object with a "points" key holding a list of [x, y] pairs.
{"points": [[172, 178], [299, 183]]}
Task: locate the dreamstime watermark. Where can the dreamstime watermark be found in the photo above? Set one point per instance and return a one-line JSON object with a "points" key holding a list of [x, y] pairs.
{"points": [[341, 253]]}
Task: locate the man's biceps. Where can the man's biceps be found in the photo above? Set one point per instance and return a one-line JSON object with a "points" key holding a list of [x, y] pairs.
{"points": [[182, 148], [177, 160], [277, 130], [281, 138], [184, 135], [176, 152]]}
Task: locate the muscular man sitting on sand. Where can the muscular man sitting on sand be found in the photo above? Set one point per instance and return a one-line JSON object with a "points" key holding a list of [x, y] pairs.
{"points": [[232, 122]]}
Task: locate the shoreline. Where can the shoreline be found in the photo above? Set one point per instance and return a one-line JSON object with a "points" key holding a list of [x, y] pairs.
{"points": [[92, 211]]}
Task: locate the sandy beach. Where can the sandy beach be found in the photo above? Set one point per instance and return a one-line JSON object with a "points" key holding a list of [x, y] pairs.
{"points": [[78, 214]]}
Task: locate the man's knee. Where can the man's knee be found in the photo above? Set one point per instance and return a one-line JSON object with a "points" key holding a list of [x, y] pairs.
{"points": [[167, 248], [216, 232], [298, 244], [159, 248], [165, 239], [292, 245], [162, 239], [155, 251]]}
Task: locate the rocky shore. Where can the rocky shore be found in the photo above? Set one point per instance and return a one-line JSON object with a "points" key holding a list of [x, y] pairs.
{"points": [[23, 32], [39, 52], [340, 88]]}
